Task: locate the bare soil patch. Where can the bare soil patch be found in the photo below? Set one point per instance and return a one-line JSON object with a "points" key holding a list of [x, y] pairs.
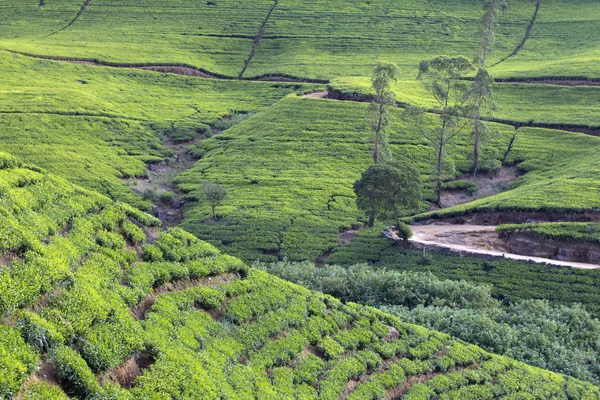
{"points": [[316, 95], [478, 240], [127, 373], [7, 258], [489, 184], [159, 180]]}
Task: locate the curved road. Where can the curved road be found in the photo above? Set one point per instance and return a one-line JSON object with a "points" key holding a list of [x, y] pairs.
{"points": [[450, 237]]}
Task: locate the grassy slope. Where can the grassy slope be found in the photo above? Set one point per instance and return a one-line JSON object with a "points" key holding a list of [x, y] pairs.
{"points": [[93, 124], [211, 326], [311, 39], [521, 103], [290, 169], [573, 25]]}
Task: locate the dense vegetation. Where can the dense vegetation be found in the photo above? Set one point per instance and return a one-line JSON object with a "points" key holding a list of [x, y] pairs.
{"points": [[97, 302], [303, 38], [511, 281], [290, 170], [95, 126], [570, 231], [89, 287], [562, 339]]}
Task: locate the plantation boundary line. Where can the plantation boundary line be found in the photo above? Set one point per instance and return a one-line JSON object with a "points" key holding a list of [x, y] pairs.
{"points": [[362, 98], [72, 114], [85, 4], [174, 68], [257, 39], [526, 37]]}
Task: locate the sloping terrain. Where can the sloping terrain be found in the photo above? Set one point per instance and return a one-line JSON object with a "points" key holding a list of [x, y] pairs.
{"points": [[95, 126], [306, 39], [104, 305], [301, 157]]}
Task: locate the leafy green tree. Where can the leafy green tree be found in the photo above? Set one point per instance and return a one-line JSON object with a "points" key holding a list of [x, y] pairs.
{"points": [[384, 75], [443, 77], [482, 105], [386, 191], [486, 29], [214, 194]]}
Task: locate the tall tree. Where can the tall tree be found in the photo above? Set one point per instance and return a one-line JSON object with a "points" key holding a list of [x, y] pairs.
{"points": [[443, 77], [388, 191], [482, 105], [384, 75], [486, 29]]}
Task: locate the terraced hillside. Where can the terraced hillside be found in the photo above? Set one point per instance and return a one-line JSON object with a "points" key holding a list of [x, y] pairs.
{"points": [[308, 39], [96, 126], [97, 303], [300, 158]]}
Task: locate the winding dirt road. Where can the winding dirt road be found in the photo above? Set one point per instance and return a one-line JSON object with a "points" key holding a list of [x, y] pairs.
{"points": [[477, 239]]}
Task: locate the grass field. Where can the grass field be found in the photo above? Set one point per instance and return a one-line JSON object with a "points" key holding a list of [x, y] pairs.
{"points": [[516, 102], [96, 125], [314, 40], [290, 171]]}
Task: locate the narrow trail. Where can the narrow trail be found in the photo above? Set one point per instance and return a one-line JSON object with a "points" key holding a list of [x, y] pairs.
{"points": [[85, 4], [527, 34], [257, 40], [476, 240]]}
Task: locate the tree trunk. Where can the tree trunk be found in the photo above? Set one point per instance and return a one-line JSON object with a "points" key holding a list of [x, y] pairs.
{"points": [[214, 211], [438, 184], [405, 242], [476, 144], [371, 221]]}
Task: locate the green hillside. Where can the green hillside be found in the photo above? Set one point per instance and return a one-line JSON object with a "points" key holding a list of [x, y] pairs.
{"points": [[93, 295], [96, 126], [301, 157], [271, 286], [317, 40]]}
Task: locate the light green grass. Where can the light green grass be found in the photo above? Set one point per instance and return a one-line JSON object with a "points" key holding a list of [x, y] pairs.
{"points": [[321, 39], [290, 170], [517, 102], [95, 125]]}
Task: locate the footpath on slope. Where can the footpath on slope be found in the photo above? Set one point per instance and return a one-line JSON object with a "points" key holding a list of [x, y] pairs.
{"points": [[475, 240]]}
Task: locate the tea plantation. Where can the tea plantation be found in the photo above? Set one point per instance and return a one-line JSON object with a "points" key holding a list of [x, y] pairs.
{"points": [[256, 118], [90, 287]]}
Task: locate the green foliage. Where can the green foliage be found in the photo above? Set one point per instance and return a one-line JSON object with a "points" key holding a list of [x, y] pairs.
{"points": [[17, 361], [372, 286], [460, 184], [386, 191], [73, 372], [41, 390], [570, 231]]}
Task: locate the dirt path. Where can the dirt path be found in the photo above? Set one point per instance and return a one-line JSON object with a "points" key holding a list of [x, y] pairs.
{"points": [[527, 34], [85, 4], [477, 239], [257, 40], [316, 95]]}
